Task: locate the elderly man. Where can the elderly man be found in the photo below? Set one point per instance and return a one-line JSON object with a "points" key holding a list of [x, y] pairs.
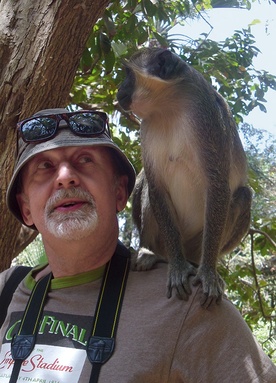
{"points": [[81, 317]]}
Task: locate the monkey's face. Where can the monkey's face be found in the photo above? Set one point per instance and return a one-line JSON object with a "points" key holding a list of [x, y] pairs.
{"points": [[153, 78], [151, 75], [157, 63], [126, 89]]}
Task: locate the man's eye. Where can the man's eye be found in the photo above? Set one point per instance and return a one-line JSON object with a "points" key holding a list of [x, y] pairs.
{"points": [[45, 165], [85, 159]]}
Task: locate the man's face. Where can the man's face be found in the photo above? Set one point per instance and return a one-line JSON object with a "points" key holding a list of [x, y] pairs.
{"points": [[72, 192]]}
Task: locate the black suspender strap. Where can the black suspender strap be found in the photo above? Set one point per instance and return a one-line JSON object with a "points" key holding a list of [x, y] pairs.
{"points": [[23, 342], [6, 296], [101, 343]]}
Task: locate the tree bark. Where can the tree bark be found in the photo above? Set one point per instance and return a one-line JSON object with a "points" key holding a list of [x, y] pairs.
{"points": [[41, 43]]}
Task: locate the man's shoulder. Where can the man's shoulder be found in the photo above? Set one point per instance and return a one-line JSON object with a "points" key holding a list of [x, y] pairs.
{"points": [[146, 293], [5, 275], [157, 273], [11, 278], [149, 282], [150, 288]]}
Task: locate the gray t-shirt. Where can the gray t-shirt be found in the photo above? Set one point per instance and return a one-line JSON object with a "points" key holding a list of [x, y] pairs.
{"points": [[159, 340]]}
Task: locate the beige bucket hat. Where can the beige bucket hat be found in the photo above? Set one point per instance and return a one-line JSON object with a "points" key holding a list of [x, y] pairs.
{"points": [[64, 138]]}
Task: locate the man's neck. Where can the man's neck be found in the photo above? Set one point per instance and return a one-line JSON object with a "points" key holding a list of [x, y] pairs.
{"points": [[68, 258]]}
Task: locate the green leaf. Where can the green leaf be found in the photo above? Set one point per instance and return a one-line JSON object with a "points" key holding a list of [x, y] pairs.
{"points": [[109, 61], [149, 8], [105, 43]]}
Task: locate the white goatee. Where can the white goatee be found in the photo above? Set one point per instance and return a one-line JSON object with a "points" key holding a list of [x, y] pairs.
{"points": [[73, 225]]}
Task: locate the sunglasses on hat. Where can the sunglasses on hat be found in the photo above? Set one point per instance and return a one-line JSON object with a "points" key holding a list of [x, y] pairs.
{"points": [[84, 123]]}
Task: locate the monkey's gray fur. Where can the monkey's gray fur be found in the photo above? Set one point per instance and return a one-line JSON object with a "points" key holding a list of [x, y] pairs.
{"points": [[191, 202]]}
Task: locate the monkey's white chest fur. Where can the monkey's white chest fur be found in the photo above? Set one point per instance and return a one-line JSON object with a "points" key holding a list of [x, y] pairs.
{"points": [[175, 163]]}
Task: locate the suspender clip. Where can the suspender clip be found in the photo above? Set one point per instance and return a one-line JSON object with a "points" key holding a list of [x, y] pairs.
{"points": [[100, 349], [22, 346]]}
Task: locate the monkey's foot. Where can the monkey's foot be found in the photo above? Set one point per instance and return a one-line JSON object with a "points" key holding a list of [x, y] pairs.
{"points": [[212, 286], [178, 279], [144, 260]]}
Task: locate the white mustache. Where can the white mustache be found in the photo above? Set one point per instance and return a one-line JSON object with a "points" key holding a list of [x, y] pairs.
{"points": [[62, 194]]}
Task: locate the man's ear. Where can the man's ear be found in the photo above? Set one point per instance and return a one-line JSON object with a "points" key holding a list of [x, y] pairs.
{"points": [[121, 192], [24, 206]]}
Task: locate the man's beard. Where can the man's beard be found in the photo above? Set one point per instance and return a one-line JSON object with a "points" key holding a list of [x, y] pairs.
{"points": [[73, 225]]}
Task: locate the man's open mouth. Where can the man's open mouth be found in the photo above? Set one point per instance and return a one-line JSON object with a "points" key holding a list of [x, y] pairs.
{"points": [[70, 205]]}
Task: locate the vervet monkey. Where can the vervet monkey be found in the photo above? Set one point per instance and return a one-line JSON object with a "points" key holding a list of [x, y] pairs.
{"points": [[191, 203]]}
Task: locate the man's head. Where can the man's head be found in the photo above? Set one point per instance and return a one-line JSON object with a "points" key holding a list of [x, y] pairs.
{"points": [[61, 130]]}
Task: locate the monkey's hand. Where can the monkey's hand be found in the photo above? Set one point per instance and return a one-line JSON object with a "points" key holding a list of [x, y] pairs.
{"points": [[178, 278], [212, 285], [143, 260]]}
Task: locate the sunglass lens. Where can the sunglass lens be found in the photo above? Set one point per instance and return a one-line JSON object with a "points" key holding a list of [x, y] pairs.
{"points": [[38, 129], [87, 123]]}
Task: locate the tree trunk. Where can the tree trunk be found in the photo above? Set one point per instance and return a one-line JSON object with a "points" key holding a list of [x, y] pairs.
{"points": [[41, 43]]}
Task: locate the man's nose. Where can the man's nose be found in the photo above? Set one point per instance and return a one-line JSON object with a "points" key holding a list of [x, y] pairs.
{"points": [[67, 176]]}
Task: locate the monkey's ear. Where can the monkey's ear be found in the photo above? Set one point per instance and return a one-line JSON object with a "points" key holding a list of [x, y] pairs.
{"points": [[166, 65]]}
